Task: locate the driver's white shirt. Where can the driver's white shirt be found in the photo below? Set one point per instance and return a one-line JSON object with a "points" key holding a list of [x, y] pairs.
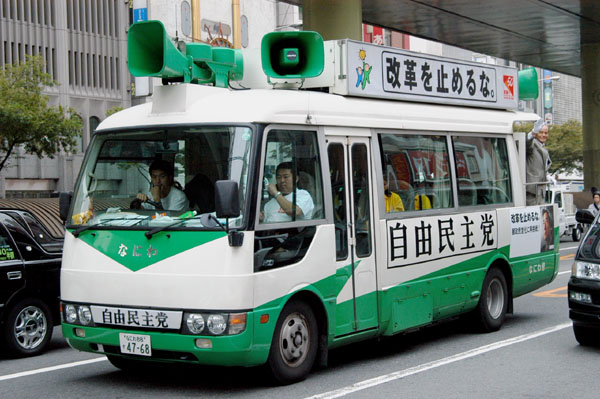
{"points": [[175, 201], [274, 213]]}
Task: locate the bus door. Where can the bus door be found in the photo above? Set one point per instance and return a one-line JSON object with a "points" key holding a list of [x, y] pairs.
{"points": [[352, 197]]}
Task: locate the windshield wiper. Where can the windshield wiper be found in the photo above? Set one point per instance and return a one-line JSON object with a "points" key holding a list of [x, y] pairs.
{"points": [[184, 217], [85, 227]]}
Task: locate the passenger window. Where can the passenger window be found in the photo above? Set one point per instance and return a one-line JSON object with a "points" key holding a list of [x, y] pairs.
{"points": [[338, 197], [7, 249], [417, 171], [291, 194], [482, 169]]}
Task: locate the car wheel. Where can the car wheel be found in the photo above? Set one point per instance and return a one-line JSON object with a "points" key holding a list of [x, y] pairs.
{"points": [[493, 303], [294, 345], [585, 336], [28, 328], [576, 235]]}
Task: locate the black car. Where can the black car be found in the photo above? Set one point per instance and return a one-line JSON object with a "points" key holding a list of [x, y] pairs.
{"points": [[30, 259], [584, 284]]}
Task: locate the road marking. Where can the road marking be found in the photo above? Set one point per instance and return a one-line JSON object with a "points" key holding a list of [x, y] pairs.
{"points": [[565, 272], [553, 293], [570, 256], [565, 248], [53, 368], [359, 386]]}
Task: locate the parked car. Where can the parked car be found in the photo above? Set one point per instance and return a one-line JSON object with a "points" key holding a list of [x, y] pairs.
{"points": [[30, 259], [584, 284]]}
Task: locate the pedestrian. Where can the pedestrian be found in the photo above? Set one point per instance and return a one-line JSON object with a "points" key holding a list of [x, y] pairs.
{"points": [[538, 163], [595, 206]]}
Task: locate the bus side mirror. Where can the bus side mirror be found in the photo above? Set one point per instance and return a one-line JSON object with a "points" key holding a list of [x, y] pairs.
{"points": [[227, 200], [584, 216], [64, 203]]}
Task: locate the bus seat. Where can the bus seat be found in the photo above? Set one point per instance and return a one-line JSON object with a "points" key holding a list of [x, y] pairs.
{"points": [[200, 192]]}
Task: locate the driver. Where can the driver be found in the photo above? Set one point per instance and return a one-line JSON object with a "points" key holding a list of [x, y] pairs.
{"points": [[164, 190], [280, 207]]}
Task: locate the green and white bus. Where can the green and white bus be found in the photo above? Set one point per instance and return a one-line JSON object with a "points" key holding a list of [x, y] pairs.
{"points": [[220, 282]]}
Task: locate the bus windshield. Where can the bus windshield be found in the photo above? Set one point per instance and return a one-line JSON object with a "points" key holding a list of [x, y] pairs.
{"points": [[166, 176]]}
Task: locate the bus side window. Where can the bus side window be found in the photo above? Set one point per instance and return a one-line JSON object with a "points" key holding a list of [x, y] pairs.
{"points": [[291, 195], [482, 170], [417, 170], [338, 197]]}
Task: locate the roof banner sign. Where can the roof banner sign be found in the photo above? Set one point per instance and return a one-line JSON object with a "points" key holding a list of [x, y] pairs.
{"points": [[386, 72]]}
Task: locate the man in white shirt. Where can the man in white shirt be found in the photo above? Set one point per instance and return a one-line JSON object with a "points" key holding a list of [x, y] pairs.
{"points": [[280, 208], [164, 190]]}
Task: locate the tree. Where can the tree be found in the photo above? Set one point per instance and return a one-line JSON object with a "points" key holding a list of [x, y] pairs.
{"points": [[27, 119], [564, 144], [113, 110]]}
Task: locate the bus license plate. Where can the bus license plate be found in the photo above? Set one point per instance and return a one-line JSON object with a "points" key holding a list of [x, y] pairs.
{"points": [[135, 344]]}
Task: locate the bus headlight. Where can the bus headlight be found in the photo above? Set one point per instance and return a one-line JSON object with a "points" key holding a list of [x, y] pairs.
{"points": [[216, 324], [85, 315], [586, 270], [70, 314], [195, 323], [213, 323]]}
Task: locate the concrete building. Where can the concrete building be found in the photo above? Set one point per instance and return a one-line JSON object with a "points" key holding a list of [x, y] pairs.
{"points": [[84, 45]]}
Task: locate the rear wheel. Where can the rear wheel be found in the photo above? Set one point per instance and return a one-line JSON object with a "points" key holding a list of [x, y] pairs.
{"points": [[576, 235], [493, 303], [294, 345], [28, 328], [585, 336]]}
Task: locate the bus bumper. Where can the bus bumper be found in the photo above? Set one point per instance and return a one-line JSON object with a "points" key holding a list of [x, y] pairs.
{"points": [[231, 350]]}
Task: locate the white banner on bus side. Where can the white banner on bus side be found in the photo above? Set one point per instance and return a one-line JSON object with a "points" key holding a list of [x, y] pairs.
{"points": [[531, 230], [420, 240]]}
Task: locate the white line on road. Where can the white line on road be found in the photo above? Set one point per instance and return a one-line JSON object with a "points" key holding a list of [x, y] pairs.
{"points": [[53, 368], [565, 272], [437, 363], [565, 248]]}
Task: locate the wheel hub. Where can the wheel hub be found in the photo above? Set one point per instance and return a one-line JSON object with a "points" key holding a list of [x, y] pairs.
{"points": [[30, 327], [294, 340]]}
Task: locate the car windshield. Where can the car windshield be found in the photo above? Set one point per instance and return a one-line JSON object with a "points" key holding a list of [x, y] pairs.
{"points": [[161, 177], [590, 248]]}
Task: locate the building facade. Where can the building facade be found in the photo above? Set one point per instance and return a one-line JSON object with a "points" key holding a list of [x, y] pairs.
{"points": [[83, 43]]}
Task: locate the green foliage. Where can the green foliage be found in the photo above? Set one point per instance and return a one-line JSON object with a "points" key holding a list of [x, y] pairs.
{"points": [[565, 146], [113, 110], [26, 118]]}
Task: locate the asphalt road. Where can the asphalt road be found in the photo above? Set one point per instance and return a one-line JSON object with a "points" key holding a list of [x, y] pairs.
{"points": [[534, 355]]}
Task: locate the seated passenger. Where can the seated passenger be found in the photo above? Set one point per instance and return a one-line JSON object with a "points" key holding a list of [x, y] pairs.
{"points": [[280, 207], [393, 202], [422, 201], [164, 190]]}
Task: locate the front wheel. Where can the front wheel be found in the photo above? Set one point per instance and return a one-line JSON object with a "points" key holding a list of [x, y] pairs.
{"points": [[294, 345], [576, 235], [585, 335], [28, 328], [493, 303]]}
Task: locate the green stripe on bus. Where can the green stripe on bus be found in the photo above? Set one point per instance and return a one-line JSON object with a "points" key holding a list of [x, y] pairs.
{"points": [[134, 251]]}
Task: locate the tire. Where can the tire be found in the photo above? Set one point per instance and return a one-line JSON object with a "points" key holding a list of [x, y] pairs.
{"points": [[493, 303], [576, 235], [294, 345], [28, 328], [585, 336]]}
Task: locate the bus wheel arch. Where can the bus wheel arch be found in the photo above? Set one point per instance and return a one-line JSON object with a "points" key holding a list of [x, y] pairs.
{"points": [[493, 305], [297, 340]]}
